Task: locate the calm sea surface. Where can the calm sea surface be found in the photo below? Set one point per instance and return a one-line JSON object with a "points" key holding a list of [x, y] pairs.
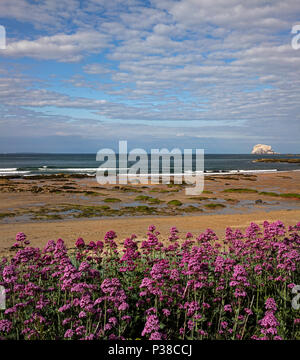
{"points": [[33, 164]]}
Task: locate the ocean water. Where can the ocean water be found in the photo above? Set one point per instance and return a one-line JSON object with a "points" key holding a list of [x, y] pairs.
{"points": [[36, 164]]}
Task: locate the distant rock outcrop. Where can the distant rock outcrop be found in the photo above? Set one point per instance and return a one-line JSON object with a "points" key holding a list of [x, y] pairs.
{"points": [[263, 149]]}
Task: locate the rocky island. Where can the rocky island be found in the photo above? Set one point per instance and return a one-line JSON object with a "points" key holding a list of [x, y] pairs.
{"points": [[263, 149]]}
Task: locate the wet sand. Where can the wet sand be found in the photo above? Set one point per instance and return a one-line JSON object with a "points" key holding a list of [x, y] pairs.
{"points": [[69, 208]]}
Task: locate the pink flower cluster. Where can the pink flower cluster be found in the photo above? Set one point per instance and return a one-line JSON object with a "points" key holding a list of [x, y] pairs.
{"points": [[189, 287]]}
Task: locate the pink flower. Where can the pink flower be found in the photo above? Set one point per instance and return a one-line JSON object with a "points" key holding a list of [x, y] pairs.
{"points": [[124, 306], [166, 312], [80, 244], [152, 325], [155, 336], [224, 324], [20, 237], [82, 314], [151, 228], [270, 304], [227, 308], [69, 333], [5, 326]]}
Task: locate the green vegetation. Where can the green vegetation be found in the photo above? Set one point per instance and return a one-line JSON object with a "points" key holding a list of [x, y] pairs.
{"points": [[295, 161], [68, 187], [148, 199], [36, 189], [144, 208], [228, 178], [53, 217], [142, 198], [191, 209], [268, 193], [214, 206], [112, 200], [291, 195], [284, 195], [232, 200], [93, 193], [164, 191], [154, 201], [4, 215], [130, 189], [240, 190], [199, 198], [175, 203]]}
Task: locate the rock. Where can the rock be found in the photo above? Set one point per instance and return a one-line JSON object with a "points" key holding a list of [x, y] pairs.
{"points": [[263, 149]]}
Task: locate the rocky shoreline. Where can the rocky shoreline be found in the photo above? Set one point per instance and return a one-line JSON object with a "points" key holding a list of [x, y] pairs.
{"points": [[292, 161]]}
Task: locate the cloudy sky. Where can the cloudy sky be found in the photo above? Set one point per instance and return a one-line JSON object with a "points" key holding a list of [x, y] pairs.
{"points": [[79, 75]]}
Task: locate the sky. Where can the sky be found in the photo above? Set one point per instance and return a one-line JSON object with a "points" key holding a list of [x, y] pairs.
{"points": [[80, 75]]}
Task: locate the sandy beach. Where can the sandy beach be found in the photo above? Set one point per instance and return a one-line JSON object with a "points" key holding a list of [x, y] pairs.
{"points": [[94, 230], [68, 208]]}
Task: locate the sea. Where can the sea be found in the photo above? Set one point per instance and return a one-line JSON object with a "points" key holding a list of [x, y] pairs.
{"points": [[22, 165]]}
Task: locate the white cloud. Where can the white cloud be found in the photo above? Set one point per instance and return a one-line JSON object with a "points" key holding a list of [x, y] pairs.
{"points": [[96, 69], [61, 47], [45, 14], [189, 63]]}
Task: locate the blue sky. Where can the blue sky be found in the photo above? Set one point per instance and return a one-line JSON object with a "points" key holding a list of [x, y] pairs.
{"points": [[77, 76]]}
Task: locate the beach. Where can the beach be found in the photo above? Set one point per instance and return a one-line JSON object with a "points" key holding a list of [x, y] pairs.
{"points": [[51, 207], [94, 230]]}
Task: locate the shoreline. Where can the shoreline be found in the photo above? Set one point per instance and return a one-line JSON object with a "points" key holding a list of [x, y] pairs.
{"points": [[92, 174]]}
